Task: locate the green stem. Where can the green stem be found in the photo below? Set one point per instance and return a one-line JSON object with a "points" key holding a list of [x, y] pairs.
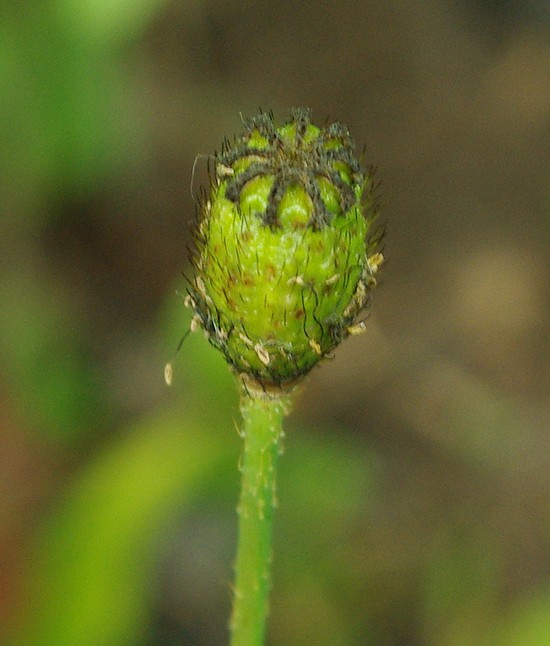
{"points": [[262, 433]]}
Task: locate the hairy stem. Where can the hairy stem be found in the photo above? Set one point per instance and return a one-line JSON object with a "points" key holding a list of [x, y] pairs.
{"points": [[262, 432]]}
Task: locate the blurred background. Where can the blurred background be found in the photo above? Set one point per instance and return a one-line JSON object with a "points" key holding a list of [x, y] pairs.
{"points": [[415, 486]]}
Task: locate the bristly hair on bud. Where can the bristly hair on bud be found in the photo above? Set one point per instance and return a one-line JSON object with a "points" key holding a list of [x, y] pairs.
{"points": [[287, 251]]}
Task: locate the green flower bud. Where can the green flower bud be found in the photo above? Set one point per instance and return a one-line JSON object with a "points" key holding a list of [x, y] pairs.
{"points": [[286, 255]]}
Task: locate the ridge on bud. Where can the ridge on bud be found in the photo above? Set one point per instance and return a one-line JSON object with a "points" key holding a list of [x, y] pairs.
{"points": [[286, 255]]}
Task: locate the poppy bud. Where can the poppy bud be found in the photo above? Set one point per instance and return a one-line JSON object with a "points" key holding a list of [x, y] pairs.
{"points": [[286, 254]]}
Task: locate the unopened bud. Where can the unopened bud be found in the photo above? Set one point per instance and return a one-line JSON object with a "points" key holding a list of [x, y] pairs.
{"points": [[286, 252]]}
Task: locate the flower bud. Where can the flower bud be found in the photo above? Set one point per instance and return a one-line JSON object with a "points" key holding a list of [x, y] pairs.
{"points": [[286, 256]]}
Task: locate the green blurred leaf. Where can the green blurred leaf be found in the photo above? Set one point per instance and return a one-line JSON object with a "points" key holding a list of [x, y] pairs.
{"points": [[326, 489], [461, 580], [68, 116], [91, 579], [109, 22], [529, 623], [44, 357]]}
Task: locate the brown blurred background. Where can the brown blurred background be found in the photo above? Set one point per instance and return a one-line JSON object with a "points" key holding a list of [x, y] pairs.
{"points": [[415, 486]]}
